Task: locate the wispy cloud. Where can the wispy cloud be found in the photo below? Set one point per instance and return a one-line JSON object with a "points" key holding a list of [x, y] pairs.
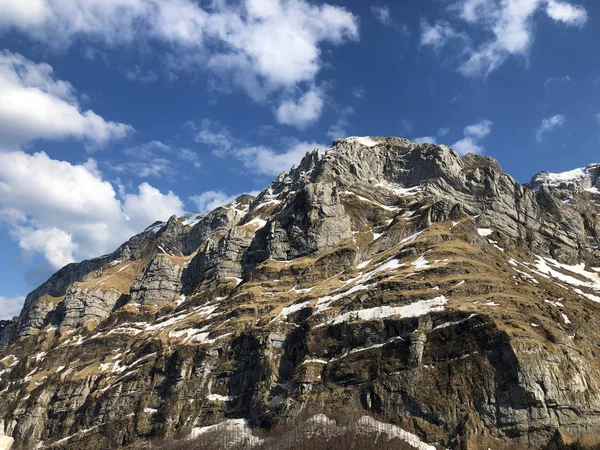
{"points": [[511, 24], [548, 125]]}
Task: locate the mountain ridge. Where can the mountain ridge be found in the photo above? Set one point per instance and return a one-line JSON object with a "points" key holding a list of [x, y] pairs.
{"points": [[377, 245]]}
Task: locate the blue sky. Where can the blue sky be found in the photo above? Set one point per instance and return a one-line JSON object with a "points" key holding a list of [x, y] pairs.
{"points": [[117, 113]]}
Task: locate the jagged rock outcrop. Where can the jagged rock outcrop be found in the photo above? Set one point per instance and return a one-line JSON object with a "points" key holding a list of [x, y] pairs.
{"points": [[380, 278]]}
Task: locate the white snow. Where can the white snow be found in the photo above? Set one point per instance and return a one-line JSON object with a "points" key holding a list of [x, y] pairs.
{"points": [[285, 312], [150, 410], [557, 304], [370, 347], [6, 442], [484, 232], [548, 266], [417, 309], [156, 227], [421, 263], [191, 219], [363, 140], [324, 302], [237, 431], [399, 190], [565, 318], [563, 177], [368, 425], [366, 200], [491, 304], [315, 361], [297, 290], [219, 398], [257, 222], [451, 324], [364, 264]]}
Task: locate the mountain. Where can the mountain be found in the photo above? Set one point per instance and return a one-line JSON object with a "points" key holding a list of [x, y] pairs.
{"points": [[380, 292]]}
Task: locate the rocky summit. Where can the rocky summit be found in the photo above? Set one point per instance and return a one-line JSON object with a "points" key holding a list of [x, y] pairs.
{"points": [[381, 294]]}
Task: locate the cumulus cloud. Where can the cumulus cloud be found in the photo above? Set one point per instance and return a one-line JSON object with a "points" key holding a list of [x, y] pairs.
{"points": [[510, 24], [473, 134], [260, 46], [68, 212], [567, 13], [548, 125], [267, 161], [10, 307], [425, 140], [35, 105], [302, 112]]}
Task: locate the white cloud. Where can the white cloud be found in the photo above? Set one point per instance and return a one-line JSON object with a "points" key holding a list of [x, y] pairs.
{"points": [[261, 46], [440, 34], [479, 130], [150, 205], [303, 112], [340, 127], [155, 158], [467, 145], [260, 159], [265, 160], [209, 200], [425, 140], [548, 125], [598, 118], [10, 307], [566, 13], [473, 135], [190, 156], [358, 91], [382, 14], [555, 81], [35, 105], [67, 212], [443, 131], [213, 134], [509, 22]]}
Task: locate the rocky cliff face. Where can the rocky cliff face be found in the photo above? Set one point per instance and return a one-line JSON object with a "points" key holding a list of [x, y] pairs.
{"points": [[432, 294]]}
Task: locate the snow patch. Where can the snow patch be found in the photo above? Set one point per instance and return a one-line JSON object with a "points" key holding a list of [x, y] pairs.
{"points": [[6, 442], [421, 263], [368, 425], [366, 141], [237, 431], [484, 232], [285, 312], [417, 309]]}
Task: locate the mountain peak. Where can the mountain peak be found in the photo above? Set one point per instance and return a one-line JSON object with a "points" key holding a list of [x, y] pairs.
{"points": [[401, 277]]}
